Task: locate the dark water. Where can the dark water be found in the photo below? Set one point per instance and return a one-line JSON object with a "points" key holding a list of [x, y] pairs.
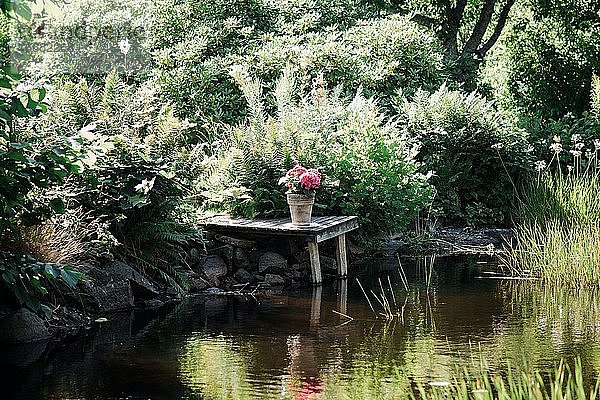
{"points": [[289, 346]]}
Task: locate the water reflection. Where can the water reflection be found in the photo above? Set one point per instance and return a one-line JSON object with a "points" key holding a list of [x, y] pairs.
{"points": [[297, 347]]}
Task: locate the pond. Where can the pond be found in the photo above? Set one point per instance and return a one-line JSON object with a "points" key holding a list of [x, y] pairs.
{"points": [[298, 345]]}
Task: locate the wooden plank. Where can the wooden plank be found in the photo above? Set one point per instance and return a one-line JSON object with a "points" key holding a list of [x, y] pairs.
{"points": [[325, 227], [340, 255], [315, 263], [337, 230]]}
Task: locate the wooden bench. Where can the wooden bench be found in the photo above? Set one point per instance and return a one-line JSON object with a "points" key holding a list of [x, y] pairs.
{"points": [[321, 229]]}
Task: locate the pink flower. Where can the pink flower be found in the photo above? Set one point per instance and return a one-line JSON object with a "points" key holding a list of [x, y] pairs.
{"points": [[296, 171], [310, 179]]}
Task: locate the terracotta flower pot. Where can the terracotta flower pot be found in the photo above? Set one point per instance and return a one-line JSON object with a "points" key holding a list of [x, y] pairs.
{"points": [[300, 208]]}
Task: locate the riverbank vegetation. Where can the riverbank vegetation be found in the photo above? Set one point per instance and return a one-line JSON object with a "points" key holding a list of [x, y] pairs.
{"points": [[118, 143]]}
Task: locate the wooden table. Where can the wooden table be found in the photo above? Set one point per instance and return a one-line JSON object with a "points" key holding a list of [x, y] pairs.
{"points": [[321, 229]]}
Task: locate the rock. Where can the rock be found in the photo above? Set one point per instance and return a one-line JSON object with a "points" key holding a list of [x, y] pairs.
{"points": [[243, 276], [274, 280], [227, 282], [22, 326], [240, 260], [301, 256], [140, 285], [328, 263], [272, 262], [241, 243], [154, 304], [225, 252], [22, 354], [111, 297], [254, 256], [299, 270], [196, 257], [391, 247], [197, 283], [214, 267]]}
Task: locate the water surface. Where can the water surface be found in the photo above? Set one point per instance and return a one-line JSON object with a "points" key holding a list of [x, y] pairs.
{"points": [[296, 346]]}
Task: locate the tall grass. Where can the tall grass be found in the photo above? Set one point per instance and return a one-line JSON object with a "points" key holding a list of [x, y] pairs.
{"points": [[558, 229], [567, 199], [558, 253]]}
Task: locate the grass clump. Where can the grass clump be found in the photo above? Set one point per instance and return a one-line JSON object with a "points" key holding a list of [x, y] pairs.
{"points": [[557, 253], [558, 220]]}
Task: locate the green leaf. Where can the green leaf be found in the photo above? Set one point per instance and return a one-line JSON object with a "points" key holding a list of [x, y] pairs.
{"points": [[70, 277], [8, 277], [38, 94], [5, 116], [11, 71], [57, 205], [15, 155], [50, 271], [46, 310]]}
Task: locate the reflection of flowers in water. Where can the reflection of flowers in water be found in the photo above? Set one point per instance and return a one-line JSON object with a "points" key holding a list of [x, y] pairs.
{"points": [[302, 358], [311, 387]]}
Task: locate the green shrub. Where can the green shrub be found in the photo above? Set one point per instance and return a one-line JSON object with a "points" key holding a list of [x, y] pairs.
{"points": [[367, 160], [475, 154], [381, 56], [567, 131], [553, 48], [82, 38], [27, 280], [595, 103], [130, 184]]}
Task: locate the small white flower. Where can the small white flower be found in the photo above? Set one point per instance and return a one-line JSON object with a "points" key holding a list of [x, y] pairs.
{"points": [[146, 186], [124, 46], [540, 165], [597, 144], [556, 147], [579, 146], [589, 153], [569, 168], [575, 153], [497, 146], [576, 138], [239, 73]]}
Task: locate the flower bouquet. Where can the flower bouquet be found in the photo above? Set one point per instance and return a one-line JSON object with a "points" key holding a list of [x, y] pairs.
{"points": [[301, 184]]}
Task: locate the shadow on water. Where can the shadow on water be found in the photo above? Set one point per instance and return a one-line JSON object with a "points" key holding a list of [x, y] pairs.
{"points": [[289, 346]]}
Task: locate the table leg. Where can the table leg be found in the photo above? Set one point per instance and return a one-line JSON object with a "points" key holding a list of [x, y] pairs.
{"points": [[315, 263], [342, 295], [341, 259]]}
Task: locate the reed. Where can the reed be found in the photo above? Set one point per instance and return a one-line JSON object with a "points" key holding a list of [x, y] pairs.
{"points": [[557, 236], [556, 253]]}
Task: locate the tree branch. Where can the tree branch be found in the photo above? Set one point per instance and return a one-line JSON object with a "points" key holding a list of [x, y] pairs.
{"points": [[502, 18], [485, 17], [451, 25]]}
